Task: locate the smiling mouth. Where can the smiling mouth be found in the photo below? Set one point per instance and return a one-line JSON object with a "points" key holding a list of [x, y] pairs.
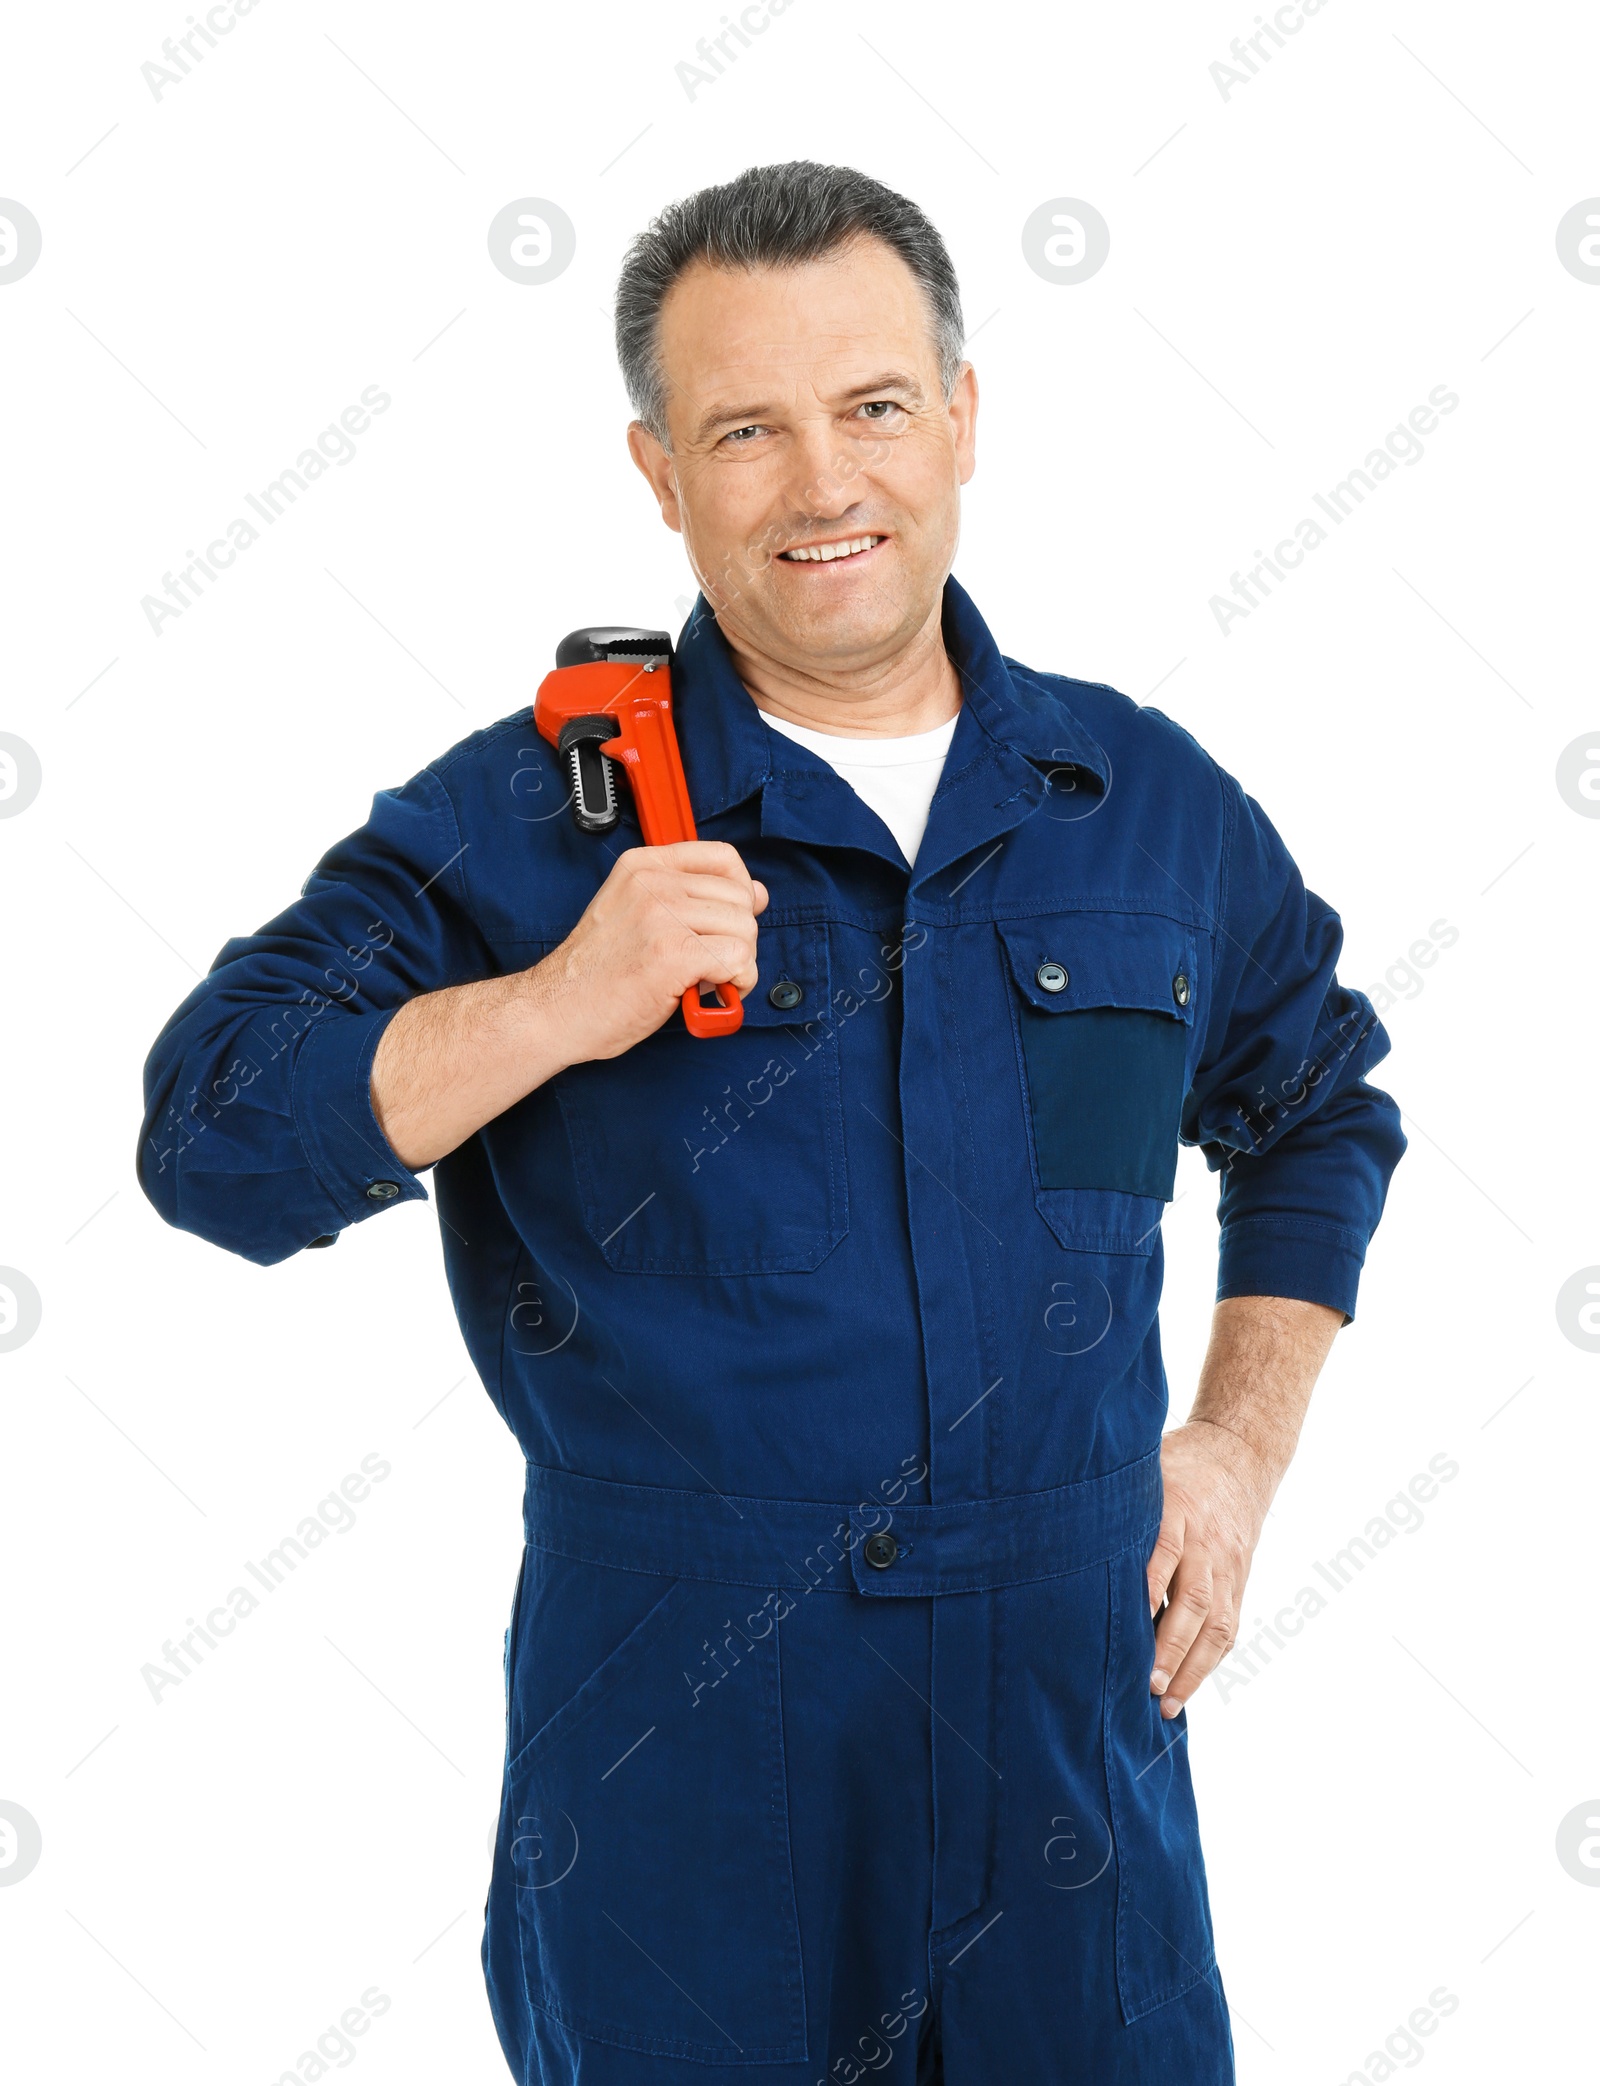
{"points": [[846, 549]]}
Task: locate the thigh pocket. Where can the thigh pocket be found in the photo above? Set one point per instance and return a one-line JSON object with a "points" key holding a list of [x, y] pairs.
{"points": [[650, 1845], [1103, 1006], [720, 1157], [1164, 1942]]}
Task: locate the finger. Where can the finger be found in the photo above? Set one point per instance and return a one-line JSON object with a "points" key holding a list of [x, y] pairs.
{"points": [[1187, 1608], [760, 890], [696, 857], [716, 890], [724, 960], [1208, 1650], [708, 916], [1164, 1558]]}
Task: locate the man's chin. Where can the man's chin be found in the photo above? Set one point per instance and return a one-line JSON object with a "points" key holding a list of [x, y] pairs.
{"points": [[841, 634]]}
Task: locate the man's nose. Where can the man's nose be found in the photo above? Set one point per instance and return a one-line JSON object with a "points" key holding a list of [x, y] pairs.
{"points": [[824, 482]]}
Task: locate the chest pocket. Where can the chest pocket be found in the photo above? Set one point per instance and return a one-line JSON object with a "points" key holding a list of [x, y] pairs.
{"points": [[1103, 1005], [722, 1156]]}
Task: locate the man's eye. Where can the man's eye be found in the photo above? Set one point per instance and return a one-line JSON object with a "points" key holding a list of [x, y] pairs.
{"points": [[880, 408], [738, 434]]}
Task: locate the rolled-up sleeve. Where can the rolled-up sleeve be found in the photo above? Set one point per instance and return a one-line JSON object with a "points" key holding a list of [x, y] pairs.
{"points": [[259, 1132], [1280, 1103]]}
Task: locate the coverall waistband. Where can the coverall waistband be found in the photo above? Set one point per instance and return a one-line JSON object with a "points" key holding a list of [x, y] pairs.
{"points": [[965, 1546]]}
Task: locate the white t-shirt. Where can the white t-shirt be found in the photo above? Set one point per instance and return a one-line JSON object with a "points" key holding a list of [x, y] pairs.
{"points": [[897, 777]]}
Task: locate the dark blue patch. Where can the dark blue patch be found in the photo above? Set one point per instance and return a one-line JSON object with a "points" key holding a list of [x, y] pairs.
{"points": [[1107, 1088]]}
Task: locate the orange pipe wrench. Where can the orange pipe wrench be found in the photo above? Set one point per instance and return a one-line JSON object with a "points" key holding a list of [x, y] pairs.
{"points": [[608, 704]]}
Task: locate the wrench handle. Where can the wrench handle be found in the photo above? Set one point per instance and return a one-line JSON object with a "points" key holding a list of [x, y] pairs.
{"points": [[647, 747], [721, 1020]]}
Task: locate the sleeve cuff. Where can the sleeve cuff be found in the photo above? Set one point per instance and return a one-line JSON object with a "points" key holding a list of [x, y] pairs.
{"points": [[332, 1103], [1283, 1257]]}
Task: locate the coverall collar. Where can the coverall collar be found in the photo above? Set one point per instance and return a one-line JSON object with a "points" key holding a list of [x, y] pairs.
{"points": [[1011, 738]]}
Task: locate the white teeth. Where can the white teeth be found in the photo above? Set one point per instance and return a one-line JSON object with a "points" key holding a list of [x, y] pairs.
{"points": [[824, 553]]}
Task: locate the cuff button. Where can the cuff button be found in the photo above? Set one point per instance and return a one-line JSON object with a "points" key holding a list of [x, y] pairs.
{"points": [[383, 1191]]}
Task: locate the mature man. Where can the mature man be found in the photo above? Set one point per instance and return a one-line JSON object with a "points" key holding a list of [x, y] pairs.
{"points": [[841, 1736]]}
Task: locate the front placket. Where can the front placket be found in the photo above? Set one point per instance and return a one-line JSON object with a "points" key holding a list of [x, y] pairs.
{"points": [[980, 804]]}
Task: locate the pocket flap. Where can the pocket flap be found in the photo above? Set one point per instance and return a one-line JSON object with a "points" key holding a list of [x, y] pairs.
{"points": [[1065, 963]]}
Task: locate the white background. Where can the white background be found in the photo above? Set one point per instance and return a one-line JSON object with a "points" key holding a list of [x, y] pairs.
{"points": [[1292, 269]]}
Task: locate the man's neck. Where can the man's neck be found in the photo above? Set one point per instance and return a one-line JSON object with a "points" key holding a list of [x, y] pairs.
{"points": [[915, 691]]}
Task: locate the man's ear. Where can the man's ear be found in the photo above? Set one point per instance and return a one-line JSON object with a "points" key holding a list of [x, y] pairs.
{"points": [[656, 464], [964, 420]]}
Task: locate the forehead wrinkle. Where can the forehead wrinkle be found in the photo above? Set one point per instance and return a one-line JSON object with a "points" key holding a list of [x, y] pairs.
{"points": [[705, 320]]}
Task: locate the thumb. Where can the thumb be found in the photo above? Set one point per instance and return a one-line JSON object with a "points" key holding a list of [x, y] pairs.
{"points": [[1164, 1558]]}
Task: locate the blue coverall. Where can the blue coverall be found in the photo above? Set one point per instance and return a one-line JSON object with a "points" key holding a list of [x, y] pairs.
{"points": [[832, 1350]]}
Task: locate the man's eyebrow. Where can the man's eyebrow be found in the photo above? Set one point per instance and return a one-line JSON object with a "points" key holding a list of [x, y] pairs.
{"points": [[727, 416], [740, 416], [890, 380]]}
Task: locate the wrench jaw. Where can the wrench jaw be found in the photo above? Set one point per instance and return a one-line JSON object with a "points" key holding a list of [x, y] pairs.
{"points": [[578, 735], [590, 772], [613, 642]]}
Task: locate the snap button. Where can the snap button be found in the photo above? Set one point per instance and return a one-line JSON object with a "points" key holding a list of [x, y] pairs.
{"points": [[1051, 977], [383, 1191], [880, 1551], [785, 993], [1180, 989]]}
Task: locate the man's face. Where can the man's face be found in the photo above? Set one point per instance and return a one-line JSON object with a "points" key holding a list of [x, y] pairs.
{"points": [[805, 411]]}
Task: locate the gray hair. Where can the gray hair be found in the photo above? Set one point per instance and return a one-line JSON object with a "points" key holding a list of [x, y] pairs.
{"points": [[773, 217]]}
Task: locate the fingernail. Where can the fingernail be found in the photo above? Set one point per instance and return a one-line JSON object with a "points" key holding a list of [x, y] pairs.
{"points": [[1170, 1709], [1160, 1682]]}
